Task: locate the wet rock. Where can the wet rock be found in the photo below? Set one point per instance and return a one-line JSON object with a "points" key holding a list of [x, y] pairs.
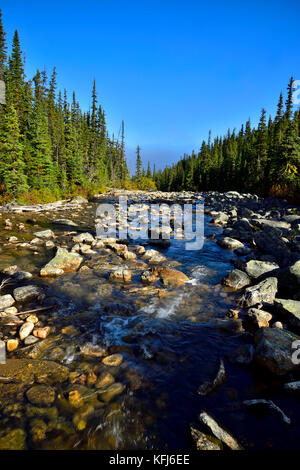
{"points": [[172, 277], [105, 380], [267, 404], [208, 387], [255, 268], [112, 391], [26, 371], [30, 340], [12, 344], [75, 399], [220, 218], [63, 262], [242, 355], [290, 310], [113, 361], [120, 275], [6, 301], [154, 257], [70, 330], [204, 442], [148, 277], [274, 350], [80, 418], [28, 293], [265, 291], [277, 324], [237, 279], [219, 432], [25, 330], [11, 311], [230, 243], [140, 250], [14, 440], [45, 234], [66, 222], [256, 318], [84, 238], [292, 386], [128, 255], [93, 350], [38, 429], [41, 395], [42, 333], [37, 412], [32, 318]]}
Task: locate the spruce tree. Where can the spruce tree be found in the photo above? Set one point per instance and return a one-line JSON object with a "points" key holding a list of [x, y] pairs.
{"points": [[3, 49]]}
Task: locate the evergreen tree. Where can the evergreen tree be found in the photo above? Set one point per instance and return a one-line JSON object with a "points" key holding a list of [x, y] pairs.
{"points": [[12, 177]]}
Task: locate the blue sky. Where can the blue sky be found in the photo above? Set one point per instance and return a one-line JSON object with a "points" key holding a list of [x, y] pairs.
{"points": [[172, 69]]}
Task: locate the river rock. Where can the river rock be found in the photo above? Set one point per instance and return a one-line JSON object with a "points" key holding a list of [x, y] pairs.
{"points": [[28, 293], [242, 355], [80, 418], [148, 277], [66, 222], [115, 389], [84, 238], [274, 350], [220, 377], [256, 318], [268, 404], [79, 200], [204, 442], [27, 371], [237, 279], [42, 333], [12, 344], [292, 386], [255, 268], [25, 330], [104, 380], [45, 234], [230, 243], [270, 242], [265, 291], [6, 301], [172, 277], [38, 429], [219, 431], [13, 440], [120, 275], [113, 361], [290, 310], [93, 350], [41, 395], [63, 262], [154, 256]]}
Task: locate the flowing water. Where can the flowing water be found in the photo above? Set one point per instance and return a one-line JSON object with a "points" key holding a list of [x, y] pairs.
{"points": [[171, 344]]}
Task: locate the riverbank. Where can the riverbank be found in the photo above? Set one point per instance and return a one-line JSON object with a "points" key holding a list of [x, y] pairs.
{"points": [[106, 340]]}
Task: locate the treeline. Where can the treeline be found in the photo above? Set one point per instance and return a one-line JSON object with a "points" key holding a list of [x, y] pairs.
{"points": [[265, 160], [48, 146]]}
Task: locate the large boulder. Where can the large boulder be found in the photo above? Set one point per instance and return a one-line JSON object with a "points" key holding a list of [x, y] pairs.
{"points": [[255, 268], [230, 243], [28, 293], [45, 234], [290, 310], [270, 242], [237, 279], [84, 238], [289, 278], [265, 291], [274, 350], [172, 277], [63, 262]]}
